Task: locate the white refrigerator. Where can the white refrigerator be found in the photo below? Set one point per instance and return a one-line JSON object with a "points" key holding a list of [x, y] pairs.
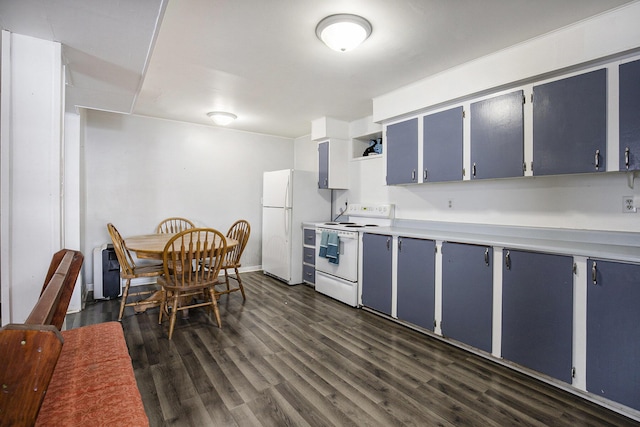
{"points": [[289, 198]]}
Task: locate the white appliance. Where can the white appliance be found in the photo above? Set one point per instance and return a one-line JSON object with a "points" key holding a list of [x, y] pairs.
{"points": [[340, 281], [289, 198]]}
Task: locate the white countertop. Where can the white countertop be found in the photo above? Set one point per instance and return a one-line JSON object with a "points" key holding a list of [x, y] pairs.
{"points": [[613, 245]]}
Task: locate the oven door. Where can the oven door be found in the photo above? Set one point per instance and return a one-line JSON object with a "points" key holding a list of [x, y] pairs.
{"points": [[347, 267]]}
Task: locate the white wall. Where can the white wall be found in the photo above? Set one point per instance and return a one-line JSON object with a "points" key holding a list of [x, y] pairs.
{"points": [[139, 170], [71, 198], [590, 201], [31, 163], [306, 154]]}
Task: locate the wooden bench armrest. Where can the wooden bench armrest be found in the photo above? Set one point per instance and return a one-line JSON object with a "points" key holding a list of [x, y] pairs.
{"points": [[28, 357], [52, 306]]}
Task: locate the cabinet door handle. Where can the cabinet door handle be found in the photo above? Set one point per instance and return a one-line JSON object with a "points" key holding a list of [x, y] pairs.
{"points": [[400, 245], [413, 175], [473, 170], [388, 243], [507, 260], [424, 175], [626, 157], [594, 273], [597, 159], [486, 256]]}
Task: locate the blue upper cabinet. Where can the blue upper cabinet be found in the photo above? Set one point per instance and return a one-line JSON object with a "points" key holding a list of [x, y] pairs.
{"points": [[630, 116], [323, 165], [442, 146], [402, 152], [570, 125], [497, 136]]}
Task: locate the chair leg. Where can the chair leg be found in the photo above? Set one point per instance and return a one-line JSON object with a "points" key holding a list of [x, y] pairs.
{"points": [[123, 303], [240, 283], [226, 278], [214, 303], [163, 306], [174, 313]]}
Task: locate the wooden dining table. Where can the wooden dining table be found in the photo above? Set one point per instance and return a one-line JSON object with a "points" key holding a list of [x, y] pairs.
{"points": [[151, 246]]}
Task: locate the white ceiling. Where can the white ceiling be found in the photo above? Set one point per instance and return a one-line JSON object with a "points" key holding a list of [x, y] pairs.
{"points": [[260, 59]]}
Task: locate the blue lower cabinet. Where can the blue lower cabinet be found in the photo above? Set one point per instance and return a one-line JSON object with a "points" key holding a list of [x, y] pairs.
{"points": [[613, 331], [467, 294], [376, 272], [416, 281], [537, 312]]}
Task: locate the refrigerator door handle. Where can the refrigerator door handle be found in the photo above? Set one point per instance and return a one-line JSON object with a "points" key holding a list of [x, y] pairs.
{"points": [[286, 192], [286, 212]]}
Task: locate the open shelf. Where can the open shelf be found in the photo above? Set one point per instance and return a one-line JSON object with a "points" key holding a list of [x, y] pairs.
{"points": [[361, 143]]}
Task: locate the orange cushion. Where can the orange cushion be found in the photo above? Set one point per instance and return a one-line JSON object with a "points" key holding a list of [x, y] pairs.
{"points": [[93, 382]]}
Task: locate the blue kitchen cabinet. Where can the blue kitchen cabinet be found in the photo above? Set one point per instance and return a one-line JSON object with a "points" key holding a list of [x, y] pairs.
{"points": [[629, 107], [442, 146], [497, 136], [467, 294], [402, 152], [333, 166], [570, 125], [376, 272], [537, 312], [613, 331], [323, 165], [416, 281]]}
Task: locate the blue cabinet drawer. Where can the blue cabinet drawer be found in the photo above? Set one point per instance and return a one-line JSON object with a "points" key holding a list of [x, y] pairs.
{"points": [[309, 256], [310, 236], [309, 274]]}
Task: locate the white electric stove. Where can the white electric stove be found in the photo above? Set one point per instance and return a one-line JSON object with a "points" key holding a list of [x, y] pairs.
{"points": [[340, 279]]}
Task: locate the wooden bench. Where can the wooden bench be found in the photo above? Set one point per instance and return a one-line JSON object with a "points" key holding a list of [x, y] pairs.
{"points": [[81, 376]]}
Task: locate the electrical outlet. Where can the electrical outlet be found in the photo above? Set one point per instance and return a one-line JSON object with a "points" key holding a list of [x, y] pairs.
{"points": [[627, 205], [450, 203]]}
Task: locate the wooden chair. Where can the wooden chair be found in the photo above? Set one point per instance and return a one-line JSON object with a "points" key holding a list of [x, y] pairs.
{"points": [[129, 270], [240, 231], [174, 225], [184, 279]]}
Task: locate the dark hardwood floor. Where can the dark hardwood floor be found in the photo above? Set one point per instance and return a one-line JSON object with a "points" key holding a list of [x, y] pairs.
{"points": [[291, 357]]}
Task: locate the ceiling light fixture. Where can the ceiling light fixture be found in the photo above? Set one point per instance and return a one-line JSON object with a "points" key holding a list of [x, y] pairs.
{"points": [[343, 32], [222, 118]]}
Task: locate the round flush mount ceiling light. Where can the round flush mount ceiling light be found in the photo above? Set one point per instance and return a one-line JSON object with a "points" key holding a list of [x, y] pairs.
{"points": [[222, 118], [343, 32]]}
